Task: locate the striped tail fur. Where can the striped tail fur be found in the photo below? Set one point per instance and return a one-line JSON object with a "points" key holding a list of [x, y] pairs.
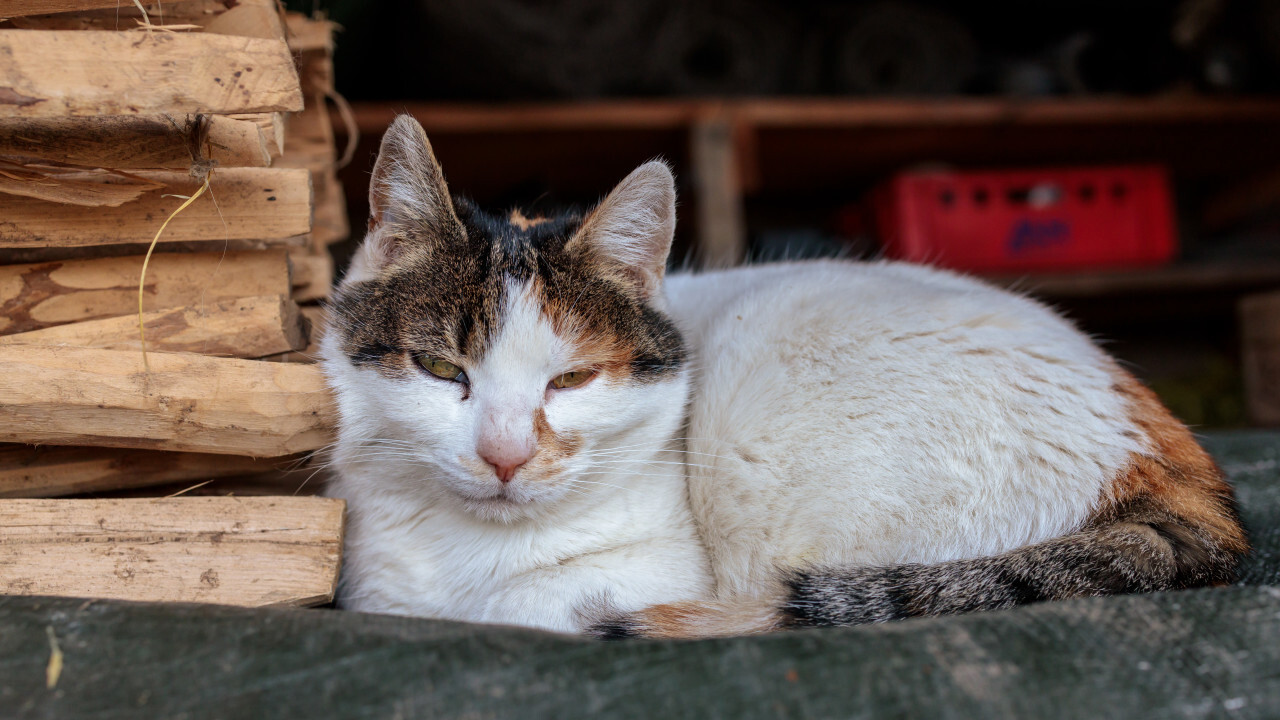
{"points": [[1170, 523]]}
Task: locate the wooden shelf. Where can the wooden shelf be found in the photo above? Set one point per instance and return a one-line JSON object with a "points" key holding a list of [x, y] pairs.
{"points": [[821, 112], [1181, 278], [829, 150]]}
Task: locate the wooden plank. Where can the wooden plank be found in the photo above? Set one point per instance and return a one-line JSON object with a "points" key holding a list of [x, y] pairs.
{"points": [[1260, 361], [722, 233], [310, 34], [249, 18], [316, 316], [1190, 277], [56, 73], [46, 294], [60, 395], [312, 275], [230, 551], [18, 8], [466, 118], [139, 141], [244, 328], [244, 204], [53, 471]]}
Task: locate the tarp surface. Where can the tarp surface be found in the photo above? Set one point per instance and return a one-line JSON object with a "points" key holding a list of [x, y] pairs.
{"points": [[1196, 654]]}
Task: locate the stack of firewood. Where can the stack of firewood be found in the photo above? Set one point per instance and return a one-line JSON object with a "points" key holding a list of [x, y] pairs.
{"points": [[117, 117]]}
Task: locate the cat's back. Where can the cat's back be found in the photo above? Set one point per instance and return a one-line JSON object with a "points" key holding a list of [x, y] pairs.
{"points": [[873, 413]]}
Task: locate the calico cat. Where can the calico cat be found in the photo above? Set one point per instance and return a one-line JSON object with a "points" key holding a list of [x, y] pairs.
{"points": [[539, 428]]}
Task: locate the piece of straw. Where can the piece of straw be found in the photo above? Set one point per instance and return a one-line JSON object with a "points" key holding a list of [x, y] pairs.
{"points": [[142, 281]]}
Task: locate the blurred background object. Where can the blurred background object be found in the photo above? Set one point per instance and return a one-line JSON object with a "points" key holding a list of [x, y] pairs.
{"points": [[783, 118]]}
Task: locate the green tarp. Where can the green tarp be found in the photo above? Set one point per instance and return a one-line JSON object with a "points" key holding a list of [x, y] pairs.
{"points": [[1195, 654]]}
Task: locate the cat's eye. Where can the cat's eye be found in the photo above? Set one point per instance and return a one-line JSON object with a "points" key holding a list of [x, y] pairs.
{"points": [[572, 379], [442, 368]]}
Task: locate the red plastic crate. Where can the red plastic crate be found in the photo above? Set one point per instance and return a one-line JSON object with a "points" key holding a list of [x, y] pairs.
{"points": [[1023, 220]]}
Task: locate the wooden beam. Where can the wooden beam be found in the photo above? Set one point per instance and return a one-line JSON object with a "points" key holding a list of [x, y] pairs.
{"points": [[61, 395], [244, 204], [312, 275], [46, 294], [140, 141], [249, 327], [53, 471], [722, 233], [19, 8], [1260, 338], [226, 550], [50, 73]]}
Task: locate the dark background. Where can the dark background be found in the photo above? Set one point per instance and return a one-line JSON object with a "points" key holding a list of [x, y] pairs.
{"points": [[1189, 85]]}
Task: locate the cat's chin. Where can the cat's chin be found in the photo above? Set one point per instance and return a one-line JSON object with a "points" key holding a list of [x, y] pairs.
{"points": [[500, 508]]}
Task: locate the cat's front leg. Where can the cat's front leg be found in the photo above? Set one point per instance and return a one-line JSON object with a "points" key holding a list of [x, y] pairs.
{"points": [[573, 596]]}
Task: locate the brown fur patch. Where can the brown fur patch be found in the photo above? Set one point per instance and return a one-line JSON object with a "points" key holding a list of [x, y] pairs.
{"points": [[1176, 472]]}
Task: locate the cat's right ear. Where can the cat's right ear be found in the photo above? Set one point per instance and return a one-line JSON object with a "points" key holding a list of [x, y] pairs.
{"points": [[409, 203]]}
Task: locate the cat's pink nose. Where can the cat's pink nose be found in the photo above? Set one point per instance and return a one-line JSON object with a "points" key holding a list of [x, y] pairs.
{"points": [[505, 464]]}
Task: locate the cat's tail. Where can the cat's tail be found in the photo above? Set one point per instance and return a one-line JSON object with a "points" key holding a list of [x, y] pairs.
{"points": [[1170, 523]]}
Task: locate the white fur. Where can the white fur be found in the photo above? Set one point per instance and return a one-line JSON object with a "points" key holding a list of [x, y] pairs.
{"points": [[841, 414], [852, 414], [431, 531]]}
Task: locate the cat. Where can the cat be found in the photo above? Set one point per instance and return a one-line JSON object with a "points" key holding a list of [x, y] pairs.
{"points": [[538, 427]]}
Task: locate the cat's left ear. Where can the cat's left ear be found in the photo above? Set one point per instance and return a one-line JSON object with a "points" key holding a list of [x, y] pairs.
{"points": [[631, 229]]}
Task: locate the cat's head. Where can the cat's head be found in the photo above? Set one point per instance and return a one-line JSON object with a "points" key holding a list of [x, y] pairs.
{"points": [[496, 361]]}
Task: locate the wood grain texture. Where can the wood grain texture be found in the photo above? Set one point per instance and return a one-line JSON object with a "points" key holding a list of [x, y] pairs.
{"points": [[27, 471], [18, 8], [42, 295], [50, 73], [243, 204], [243, 328], [60, 395], [140, 141], [1260, 361], [722, 232], [231, 551], [312, 275]]}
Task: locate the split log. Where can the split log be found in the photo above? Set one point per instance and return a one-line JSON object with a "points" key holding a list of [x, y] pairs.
{"points": [[53, 471], [226, 550], [61, 395], [312, 276], [47, 294], [18, 8], [244, 204], [309, 34], [316, 318], [55, 73], [86, 187], [143, 141], [249, 18], [245, 328], [271, 125]]}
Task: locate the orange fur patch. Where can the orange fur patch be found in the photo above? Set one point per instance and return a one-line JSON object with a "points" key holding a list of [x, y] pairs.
{"points": [[552, 446], [524, 223], [1176, 471], [707, 620]]}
